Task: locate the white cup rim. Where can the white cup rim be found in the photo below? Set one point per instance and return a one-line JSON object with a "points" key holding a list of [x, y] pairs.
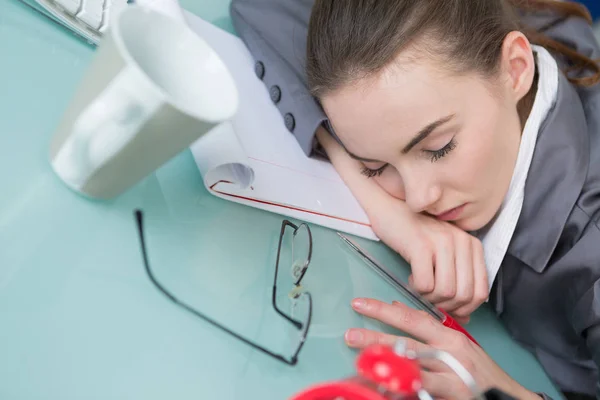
{"points": [[117, 36]]}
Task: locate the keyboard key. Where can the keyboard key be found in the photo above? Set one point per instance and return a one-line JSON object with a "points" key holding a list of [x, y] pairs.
{"points": [[111, 8], [91, 13], [70, 6]]}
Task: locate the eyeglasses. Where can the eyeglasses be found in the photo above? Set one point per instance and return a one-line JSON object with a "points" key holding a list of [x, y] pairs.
{"points": [[297, 303]]}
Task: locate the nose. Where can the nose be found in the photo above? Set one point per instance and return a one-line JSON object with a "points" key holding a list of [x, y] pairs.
{"points": [[421, 192]]}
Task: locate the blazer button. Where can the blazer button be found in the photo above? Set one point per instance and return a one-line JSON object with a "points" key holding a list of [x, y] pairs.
{"points": [[259, 69], [290, 122], [275, 94]]}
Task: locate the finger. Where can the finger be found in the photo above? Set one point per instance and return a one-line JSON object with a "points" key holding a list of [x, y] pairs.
{"points": [[462, 315], [360, 338], [480, 282], [482, 288], [444, 384], [421, 264], [397, 302], [464, 279], [412, 346], [444, 273], [415, 323], [433, 365], [462, 320]]}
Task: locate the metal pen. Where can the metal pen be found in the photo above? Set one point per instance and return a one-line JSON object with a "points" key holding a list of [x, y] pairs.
{"points": [[406, 290]]}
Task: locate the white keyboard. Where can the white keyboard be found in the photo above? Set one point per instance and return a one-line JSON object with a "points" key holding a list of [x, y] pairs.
{"points": [[88, 18]]}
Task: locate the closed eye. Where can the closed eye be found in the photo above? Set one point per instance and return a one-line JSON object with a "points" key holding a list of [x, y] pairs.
{"points": [[436, 155], [370, 173]]}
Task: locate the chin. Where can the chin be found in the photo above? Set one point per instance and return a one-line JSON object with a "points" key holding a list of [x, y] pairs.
{"points": [[472, 224]]}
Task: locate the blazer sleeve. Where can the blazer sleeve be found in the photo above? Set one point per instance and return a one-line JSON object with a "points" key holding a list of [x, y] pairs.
{"points": [[275, 33], [585, 316], [587, 323]]}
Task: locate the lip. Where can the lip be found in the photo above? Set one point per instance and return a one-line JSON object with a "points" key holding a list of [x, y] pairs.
{"points": [[451, 214]]}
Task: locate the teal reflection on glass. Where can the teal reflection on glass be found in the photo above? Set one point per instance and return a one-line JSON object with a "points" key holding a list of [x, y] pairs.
{"points": [[80, 318]]}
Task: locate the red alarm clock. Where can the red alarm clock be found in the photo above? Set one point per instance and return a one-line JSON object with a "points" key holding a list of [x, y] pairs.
{"points": [[386, 373]]}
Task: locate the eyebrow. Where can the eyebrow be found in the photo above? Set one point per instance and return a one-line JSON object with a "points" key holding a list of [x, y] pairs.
{"points": [[422, 135]]}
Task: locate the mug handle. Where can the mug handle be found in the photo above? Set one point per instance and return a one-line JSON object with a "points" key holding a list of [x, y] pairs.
{"points": [[107, 125]]}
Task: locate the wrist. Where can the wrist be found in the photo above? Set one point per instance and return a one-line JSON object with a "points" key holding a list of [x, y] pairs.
{"points": [[396, 232], [383, 204]]}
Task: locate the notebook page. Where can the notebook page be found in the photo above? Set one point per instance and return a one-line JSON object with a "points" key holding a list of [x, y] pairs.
{"points": [[284, 179]]}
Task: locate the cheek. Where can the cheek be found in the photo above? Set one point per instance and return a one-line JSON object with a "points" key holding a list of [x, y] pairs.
{"points": [[391, 182], [485, 131], [477, 160], [497, 148]]}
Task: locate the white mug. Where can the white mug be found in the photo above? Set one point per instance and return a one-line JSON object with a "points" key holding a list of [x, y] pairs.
{"points": [[171, 8], [153, 88]]}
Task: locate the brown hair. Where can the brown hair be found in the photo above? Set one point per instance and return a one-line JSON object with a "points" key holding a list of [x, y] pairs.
{"points": [[351, 39]]}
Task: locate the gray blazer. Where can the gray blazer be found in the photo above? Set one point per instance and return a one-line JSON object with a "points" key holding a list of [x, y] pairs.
{"points": [[548, 289]]}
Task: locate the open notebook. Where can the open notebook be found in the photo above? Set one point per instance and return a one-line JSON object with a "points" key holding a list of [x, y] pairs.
{"points": [[256, 161]]}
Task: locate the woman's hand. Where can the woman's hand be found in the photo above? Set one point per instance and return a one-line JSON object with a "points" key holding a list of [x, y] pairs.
{"points": [[437, 378], [447, 263]]}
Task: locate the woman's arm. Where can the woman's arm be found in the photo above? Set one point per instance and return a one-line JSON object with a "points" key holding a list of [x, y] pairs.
{"points": [[586, 320], [275, 32], [447, 263]]}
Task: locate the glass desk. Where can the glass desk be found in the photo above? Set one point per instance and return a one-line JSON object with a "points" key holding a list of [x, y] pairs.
{"points": [[79, 317]]}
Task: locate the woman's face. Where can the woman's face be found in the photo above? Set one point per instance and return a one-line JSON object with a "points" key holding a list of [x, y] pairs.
{"points": [[446, 144]]}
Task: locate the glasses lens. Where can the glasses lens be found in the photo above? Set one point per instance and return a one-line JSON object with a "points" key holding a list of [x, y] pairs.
{"points": [[301, 310], [300, 253]]}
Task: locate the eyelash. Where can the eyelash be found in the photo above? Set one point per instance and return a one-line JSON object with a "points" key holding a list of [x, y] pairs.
{"points": [[370, 173], [435, 155]]}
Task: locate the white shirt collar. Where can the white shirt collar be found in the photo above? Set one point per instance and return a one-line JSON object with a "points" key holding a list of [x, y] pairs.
{"points": [[497, 235]]}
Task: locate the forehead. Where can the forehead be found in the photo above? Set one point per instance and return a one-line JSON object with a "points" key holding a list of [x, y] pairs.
{"points": [[402, 99]]}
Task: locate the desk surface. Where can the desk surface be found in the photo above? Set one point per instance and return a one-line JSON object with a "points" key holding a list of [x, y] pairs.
{"points": [[79, 318]]}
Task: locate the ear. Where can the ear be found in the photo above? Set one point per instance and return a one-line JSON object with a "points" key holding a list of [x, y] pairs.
{"points": [[518, 64]]}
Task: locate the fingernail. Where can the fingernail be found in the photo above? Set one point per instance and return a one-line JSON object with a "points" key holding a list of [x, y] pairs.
{"points": [[353, 337], [359, 304], [395, 303]]}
